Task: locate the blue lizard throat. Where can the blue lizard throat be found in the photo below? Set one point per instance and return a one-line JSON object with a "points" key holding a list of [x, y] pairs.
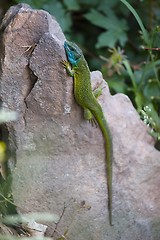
{"points": [[73, 56]]}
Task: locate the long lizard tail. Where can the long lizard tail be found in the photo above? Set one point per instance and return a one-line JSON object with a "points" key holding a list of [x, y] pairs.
{"points": [[109, 155]]}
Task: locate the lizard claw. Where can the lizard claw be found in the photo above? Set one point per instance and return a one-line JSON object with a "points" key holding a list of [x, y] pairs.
{"points": [[93, 122], [65, 64], [68, 68]]}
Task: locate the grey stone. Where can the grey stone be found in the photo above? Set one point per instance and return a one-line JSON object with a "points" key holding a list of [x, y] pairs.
{"points": [[60, 158]]}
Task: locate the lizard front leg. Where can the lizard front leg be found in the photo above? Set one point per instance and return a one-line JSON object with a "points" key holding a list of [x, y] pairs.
{"points": [[68, 68]]}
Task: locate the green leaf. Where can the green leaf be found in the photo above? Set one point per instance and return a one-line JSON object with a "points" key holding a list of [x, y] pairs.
{"points": [[105, 5], [109, 38], [116, 28], [6, 200], [89, 2], [139, 100], [117, 85], [152, 89], [56, 9], [106, 22], [98, 19], [72, 5]]}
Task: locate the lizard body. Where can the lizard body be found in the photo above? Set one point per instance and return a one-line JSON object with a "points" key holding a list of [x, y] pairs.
{"points": [[77, 67]]}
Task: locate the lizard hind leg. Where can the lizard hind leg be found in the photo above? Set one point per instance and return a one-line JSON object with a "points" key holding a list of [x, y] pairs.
{"points": [[89, 116], [97, 91]]}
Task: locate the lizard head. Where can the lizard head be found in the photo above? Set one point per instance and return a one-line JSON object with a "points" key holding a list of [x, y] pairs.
{"points": [[73, 52]]}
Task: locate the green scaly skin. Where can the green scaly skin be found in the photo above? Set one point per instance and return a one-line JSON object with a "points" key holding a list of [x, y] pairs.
{"points": [[86, 99]]}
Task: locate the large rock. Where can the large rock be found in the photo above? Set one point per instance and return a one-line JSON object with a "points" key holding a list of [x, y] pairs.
{"points": [[60, 157]]}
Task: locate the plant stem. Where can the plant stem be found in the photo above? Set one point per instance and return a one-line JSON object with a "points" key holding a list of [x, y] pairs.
{"points": [[144, 32]]}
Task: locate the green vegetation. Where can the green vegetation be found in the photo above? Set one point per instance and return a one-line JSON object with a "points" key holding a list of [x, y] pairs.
{"points": [[118, 38]]}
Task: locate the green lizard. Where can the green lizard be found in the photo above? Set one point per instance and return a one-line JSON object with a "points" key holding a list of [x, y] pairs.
{"points": [[77, 67]]}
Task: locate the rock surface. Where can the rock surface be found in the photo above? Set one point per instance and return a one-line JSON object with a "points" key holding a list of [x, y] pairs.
{"points": [[60, 157]]}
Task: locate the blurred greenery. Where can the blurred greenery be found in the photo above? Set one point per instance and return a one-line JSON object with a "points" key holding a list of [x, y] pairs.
{"points": [[117, 38], [6, 198]]}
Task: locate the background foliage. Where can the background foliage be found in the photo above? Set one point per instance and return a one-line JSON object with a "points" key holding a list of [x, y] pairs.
{"points": [[114, 42]]}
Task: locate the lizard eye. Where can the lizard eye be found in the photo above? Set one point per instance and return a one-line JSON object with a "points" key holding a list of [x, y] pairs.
{"points": [[72, 49]]}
